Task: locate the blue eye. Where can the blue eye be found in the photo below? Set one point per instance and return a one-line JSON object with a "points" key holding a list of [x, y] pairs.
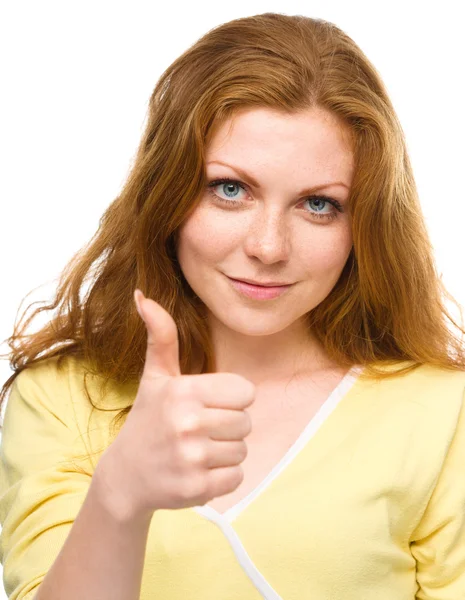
{"points": [[229, 183], [319, 198]]}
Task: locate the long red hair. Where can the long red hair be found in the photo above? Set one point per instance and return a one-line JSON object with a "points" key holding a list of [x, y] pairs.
{"points": [[389, 303]]}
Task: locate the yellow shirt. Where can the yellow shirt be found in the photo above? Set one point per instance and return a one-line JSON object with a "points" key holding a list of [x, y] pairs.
{"points": [[369, 502]]}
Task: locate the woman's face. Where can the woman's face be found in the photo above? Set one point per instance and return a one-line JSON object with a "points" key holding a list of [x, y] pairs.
{"points": [[272, 230]]}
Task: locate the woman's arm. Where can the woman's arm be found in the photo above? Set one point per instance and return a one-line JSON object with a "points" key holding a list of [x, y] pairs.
{"points": [[103, 555]]}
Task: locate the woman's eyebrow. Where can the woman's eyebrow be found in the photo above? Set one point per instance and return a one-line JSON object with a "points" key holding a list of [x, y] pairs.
{"points": [[254, 182]]}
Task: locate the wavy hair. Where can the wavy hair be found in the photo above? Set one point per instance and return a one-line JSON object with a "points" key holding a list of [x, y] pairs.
{"points": [[388, 305]]}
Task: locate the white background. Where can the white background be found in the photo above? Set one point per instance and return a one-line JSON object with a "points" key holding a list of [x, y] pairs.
{"points": [[76, 79]]}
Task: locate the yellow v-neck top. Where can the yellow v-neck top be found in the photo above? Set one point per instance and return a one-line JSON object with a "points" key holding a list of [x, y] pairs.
{"points": [[368, 503]]}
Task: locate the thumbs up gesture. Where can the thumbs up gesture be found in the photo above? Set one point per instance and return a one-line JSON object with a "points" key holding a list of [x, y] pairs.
{"points": [[182, 443]]}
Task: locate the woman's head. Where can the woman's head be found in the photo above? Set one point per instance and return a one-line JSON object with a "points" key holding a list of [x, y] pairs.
{"points": [[386, 304], [270, 223]]}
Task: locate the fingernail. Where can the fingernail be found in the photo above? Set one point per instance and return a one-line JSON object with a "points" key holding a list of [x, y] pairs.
{"points": [[138, 296]]}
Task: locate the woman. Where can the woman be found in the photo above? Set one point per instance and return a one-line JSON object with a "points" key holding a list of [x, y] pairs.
{"points": [[272, 154]]}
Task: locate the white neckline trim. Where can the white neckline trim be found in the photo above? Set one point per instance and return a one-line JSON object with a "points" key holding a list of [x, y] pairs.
{"points": [[310, 430]]}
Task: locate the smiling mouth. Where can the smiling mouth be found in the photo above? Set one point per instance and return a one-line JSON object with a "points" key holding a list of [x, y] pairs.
{"points": [[258, 292], [258, 285]]}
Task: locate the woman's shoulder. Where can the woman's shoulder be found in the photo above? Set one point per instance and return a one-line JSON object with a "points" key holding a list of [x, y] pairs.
{"points": [[431, 397], [422, 375], [67, 387]]}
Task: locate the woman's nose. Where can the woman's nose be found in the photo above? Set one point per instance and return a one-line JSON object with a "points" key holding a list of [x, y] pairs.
{"points": [[269, 238]]}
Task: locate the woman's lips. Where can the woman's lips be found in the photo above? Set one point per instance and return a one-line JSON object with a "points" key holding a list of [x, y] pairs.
{"points": [[258, 292]]}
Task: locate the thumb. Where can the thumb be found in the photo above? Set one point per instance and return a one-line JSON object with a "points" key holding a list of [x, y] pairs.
{"points": [[162, 357]]}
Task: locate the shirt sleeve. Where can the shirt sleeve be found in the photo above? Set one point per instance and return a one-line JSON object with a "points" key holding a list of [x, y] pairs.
{"points": [[438, 542], [41, 490]]}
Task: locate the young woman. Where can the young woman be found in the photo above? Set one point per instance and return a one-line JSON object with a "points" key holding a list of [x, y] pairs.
{"points": [[289, 397]]}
